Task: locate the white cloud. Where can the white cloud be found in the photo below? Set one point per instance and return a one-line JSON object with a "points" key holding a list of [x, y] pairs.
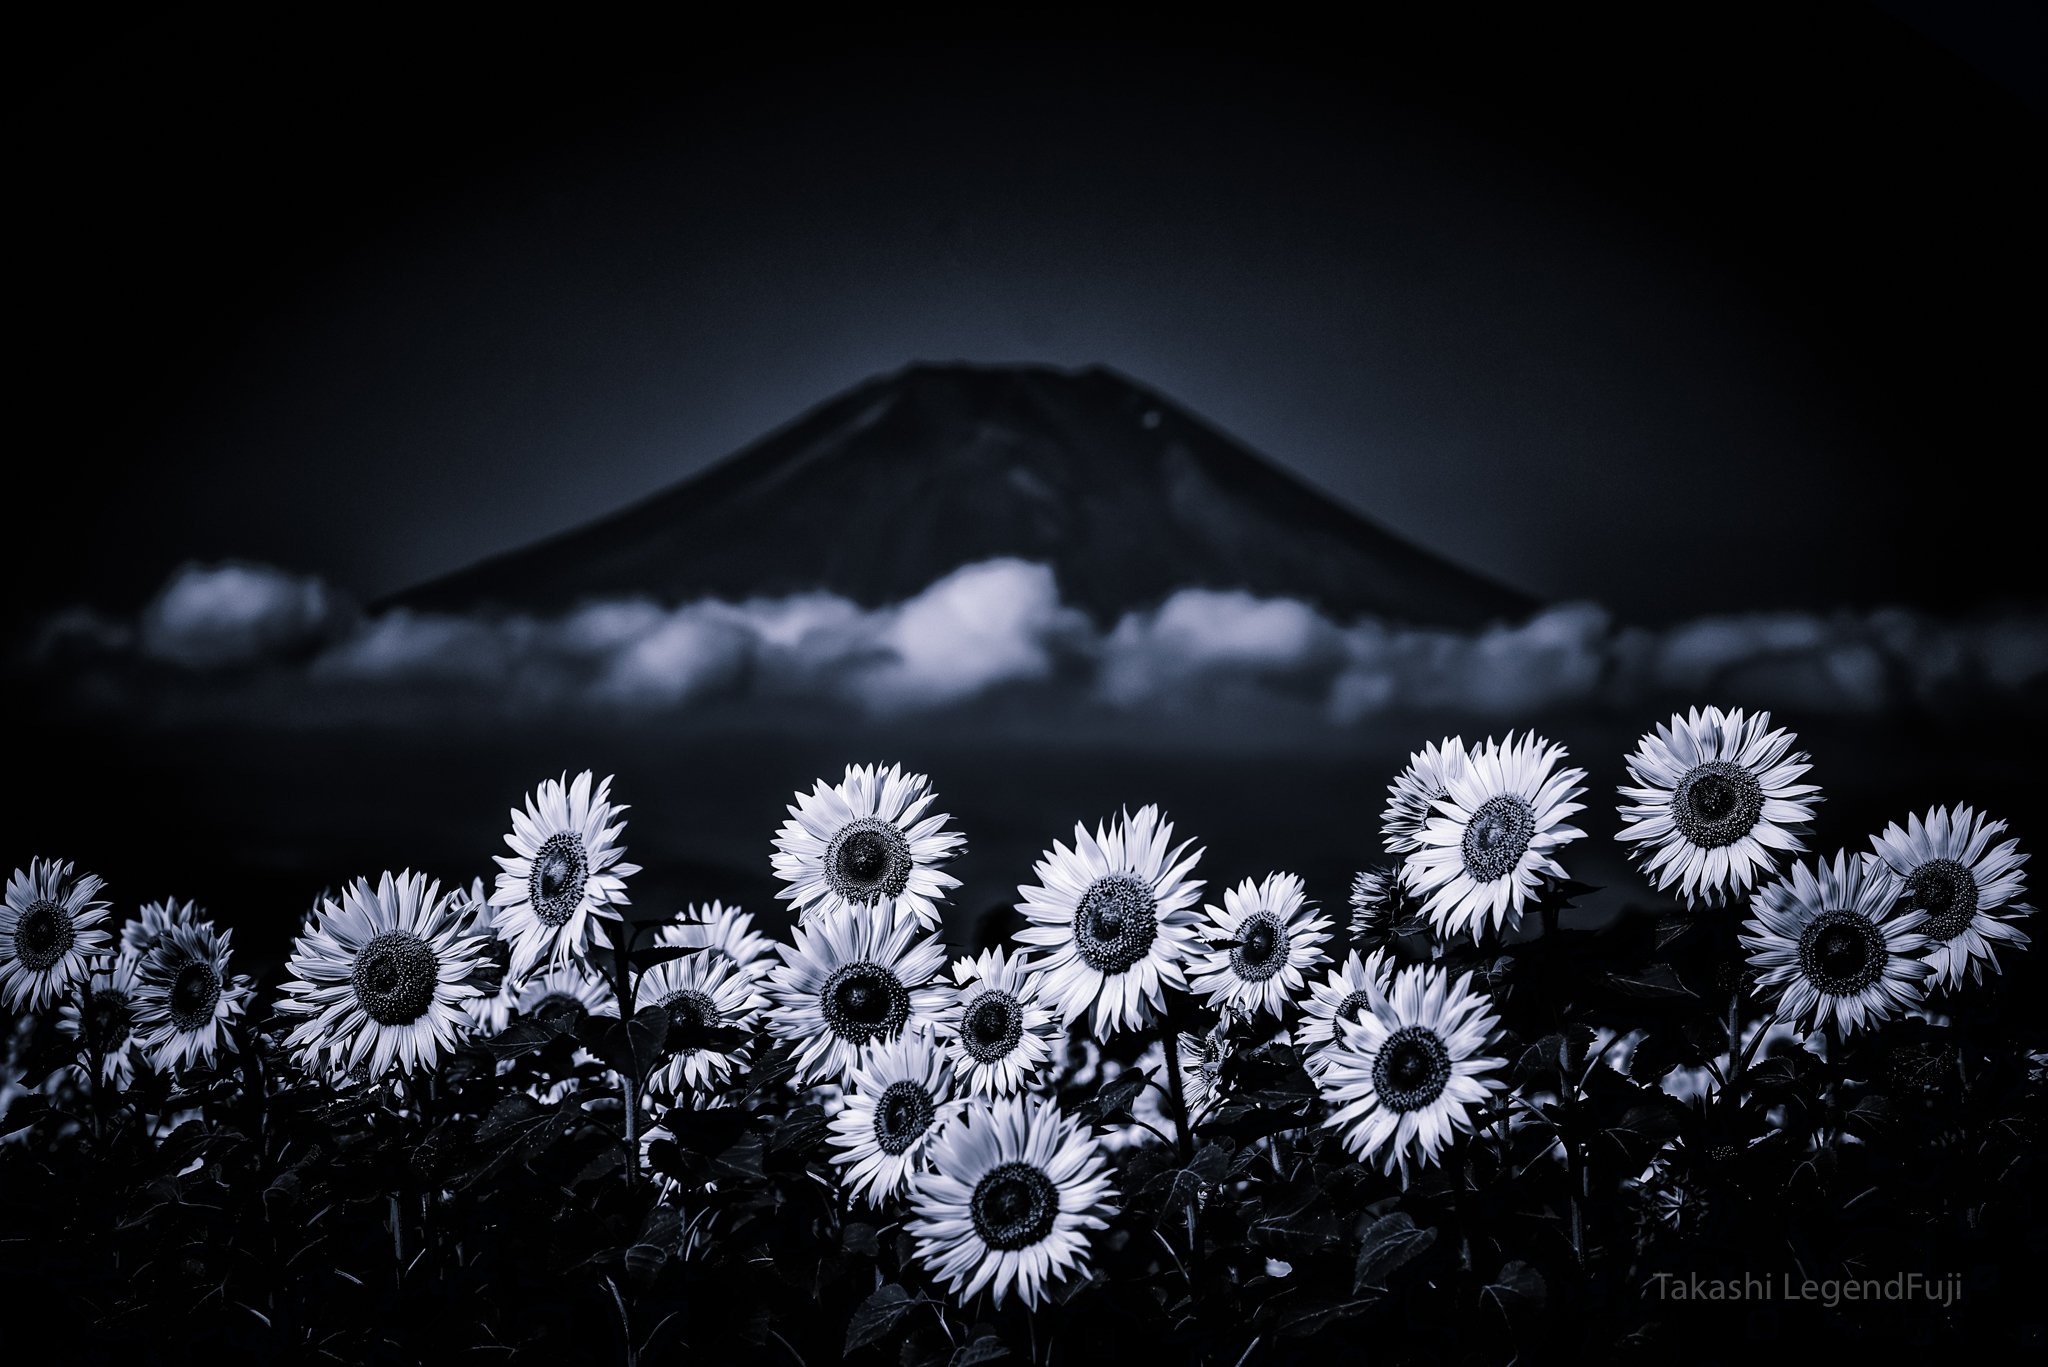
{"points": [[1001, 624]]}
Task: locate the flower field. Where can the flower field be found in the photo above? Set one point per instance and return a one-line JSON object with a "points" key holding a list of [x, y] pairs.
{"points": [[1174, 1116]]}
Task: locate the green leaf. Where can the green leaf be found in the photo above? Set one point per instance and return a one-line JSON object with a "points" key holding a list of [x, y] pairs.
{"points": [[1388, 1244], [877, 1315]]}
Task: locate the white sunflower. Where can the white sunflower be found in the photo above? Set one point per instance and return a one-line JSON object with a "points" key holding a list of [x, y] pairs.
{"points": [[139, 935], [998, 1032], [383, 977], [1263, 943], [1969, 888], [867, 841], [1415, 791], [1340, 998], [50, 933], [1485, 852], [901, 1096], [1115, 916], [1385, 903], [1715, 801], [1836, 944], [1201, 1058], [853, 977], [565, 989], [1406, 1075], [185, 998], [1013, 1189], [700, 992], [107, 1024], [726, 932], [564, 874]]}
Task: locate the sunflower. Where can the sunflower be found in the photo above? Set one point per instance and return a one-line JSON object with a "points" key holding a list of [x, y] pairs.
{"points": [[1415, 791], [1385, 904], [564, 873], [139, 935], [700, 992], [1013, 1190], [1264, 941], [867, 841], [998, 1032], [106, 1026], [184, 997], [569, 990], [1715, 801], [383, 977], [1969, 888], [726, 932], [1484, 853], [1408, 1072], [1201, 1058], [902, 1095], [852, 978], [1116, 917], [1835, 941], [50, 933], [1339, 999]]}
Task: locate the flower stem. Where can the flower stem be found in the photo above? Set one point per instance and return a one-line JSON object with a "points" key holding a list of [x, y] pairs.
{"points": [[1167, 1041]]}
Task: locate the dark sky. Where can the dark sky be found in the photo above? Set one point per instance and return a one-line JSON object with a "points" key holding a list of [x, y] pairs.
{"points": [[1722, 310]]}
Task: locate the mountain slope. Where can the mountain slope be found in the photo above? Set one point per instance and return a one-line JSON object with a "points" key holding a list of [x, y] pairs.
{"points": [[876, 493]]}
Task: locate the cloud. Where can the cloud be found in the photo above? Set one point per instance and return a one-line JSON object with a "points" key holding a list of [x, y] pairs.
{"points": [[211, 617], [1001, 626]]}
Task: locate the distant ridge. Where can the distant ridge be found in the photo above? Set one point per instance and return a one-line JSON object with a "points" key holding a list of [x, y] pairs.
{"points": [[875, 494]]}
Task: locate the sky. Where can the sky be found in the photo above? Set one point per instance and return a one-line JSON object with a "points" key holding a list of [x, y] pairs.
{"points": [[1715, 313]]}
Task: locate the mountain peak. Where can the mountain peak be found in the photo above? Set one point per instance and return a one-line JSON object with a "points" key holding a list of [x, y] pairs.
{"points": [[878, 492]]}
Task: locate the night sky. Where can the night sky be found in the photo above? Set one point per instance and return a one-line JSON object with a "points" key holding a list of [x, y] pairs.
{"points": [[1724, 313]]}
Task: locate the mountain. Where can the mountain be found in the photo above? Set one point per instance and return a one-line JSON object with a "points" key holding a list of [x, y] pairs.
{"points": [[876, 493]]}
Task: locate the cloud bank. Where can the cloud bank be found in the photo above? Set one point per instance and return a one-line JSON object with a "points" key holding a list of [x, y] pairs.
{"points": [[1001, 629]]}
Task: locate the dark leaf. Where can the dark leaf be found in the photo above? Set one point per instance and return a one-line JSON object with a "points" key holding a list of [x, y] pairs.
{"points": [[1672, 926], [877, 1315], [651, 956], [1647, 981], [528, 1035], [645, 1261], [981, 1350], [1388, 1244], [799, 1129], [860, 1239], [1113, 1099], [509, 1112], [1517, 1289]]}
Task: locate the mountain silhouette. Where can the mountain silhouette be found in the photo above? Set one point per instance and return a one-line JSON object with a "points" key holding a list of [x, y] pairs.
{"points": [[875, 494]]}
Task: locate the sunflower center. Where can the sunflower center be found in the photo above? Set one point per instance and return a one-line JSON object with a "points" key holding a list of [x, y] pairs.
{"points": [[1947, 892], [1496, 837], [394, 978], [1716, 804], [903, 1113], [868, 859], [1115, 923], [559, 1006], [43, 935], [994, 1025], [1411, 1069], [690, 1015], [1261, 948], [864, 1001], [1841, 953], [1015, 1206], [555, 887], [1350, 1009], [194, 993], [110, 1018]]}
